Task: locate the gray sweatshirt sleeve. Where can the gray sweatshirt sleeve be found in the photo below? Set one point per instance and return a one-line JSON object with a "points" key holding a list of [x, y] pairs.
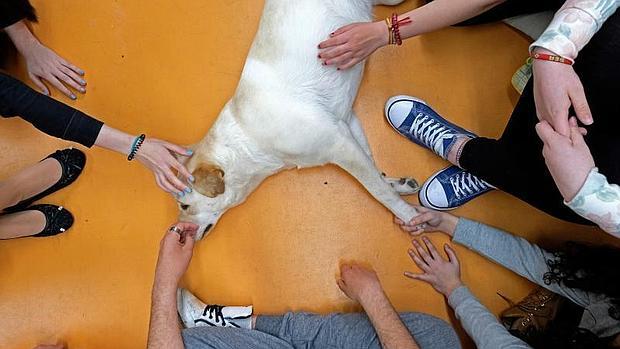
{"points": [[480, 324], [514, 253]]}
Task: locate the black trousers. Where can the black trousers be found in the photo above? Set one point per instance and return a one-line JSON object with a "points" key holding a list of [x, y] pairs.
{"points": [[514, 162]]}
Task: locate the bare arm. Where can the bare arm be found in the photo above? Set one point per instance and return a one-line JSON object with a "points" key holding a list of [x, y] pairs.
{"points": [[164, 328], [351, 44], [439, 14], [391, 331], [363, 286], [175, 253]]}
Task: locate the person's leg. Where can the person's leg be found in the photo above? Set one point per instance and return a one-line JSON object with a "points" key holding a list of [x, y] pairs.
{"points": [[230, 338], [26, 183], [29, 182], [352, 331]]}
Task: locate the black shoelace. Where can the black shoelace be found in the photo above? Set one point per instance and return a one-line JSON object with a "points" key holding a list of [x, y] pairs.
{"points": [[214, 312]]}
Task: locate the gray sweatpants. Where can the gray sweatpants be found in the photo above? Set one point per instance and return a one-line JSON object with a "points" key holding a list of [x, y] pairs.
{"points": [[302, 330]]}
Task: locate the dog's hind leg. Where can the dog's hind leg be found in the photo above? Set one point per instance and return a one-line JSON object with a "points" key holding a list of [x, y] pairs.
{"points": [[404, 185], [349, 155]]}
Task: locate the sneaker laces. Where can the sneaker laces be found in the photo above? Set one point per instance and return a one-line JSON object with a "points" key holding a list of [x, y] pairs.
{"points": [[214, 312], [465, 184], [429, 131]]}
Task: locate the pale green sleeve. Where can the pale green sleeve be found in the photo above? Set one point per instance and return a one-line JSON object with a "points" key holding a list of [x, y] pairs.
{"points": [[574, 25], [599, 202]]}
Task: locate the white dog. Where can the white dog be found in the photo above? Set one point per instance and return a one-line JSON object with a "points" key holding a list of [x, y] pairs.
{"points": [[288, 111]]}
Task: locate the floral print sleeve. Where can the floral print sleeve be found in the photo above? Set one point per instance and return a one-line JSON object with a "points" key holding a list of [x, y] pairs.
{"points": [[574, 25], [599, 202]]}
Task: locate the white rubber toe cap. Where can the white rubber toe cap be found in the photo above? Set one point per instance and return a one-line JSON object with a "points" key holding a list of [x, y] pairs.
{"points": [[433, 195], [398, 107]]}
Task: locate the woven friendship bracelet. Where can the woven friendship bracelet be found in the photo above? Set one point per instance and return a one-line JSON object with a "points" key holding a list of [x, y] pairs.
{"points": [[551, 58], [137, 143]]}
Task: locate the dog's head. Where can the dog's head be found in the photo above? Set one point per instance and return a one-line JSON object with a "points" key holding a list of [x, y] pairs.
{"points": [[206, 203]]}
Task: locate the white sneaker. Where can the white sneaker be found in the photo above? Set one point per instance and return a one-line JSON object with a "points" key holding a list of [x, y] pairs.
{"points": [[195, 313]]}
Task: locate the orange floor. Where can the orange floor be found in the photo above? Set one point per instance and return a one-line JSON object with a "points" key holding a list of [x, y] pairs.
{"points": [[165, 68]]}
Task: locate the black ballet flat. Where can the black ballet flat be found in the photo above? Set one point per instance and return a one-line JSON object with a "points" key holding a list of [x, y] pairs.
{"points": [[72, 162], [57, 219]]}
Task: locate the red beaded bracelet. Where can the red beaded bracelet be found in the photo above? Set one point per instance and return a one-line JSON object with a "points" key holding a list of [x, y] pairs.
{"points": [[551, 58], [393, 24]]}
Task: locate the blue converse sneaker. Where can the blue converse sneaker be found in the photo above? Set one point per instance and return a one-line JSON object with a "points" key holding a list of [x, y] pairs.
{"points": [[414, 119], [450, 188]]}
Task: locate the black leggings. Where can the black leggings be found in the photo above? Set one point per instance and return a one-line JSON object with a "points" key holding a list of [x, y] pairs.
{"points": [[514, 162]]}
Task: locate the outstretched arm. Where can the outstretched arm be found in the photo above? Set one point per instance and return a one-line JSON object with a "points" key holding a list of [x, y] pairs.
{"points": [[362, 285], [351, 44], [174, 256], [445, 277]]}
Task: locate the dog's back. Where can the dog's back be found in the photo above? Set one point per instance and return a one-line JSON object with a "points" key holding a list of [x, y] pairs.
{"points": [[283, 68]]}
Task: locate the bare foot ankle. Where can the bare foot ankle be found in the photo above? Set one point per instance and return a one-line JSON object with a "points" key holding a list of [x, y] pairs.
{"points": [[22, 224]]}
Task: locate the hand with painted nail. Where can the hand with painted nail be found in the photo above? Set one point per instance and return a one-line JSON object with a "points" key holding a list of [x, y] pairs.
{"points": [[45, 64], [353, 43], [429, 220], [159, 157], [444, 275]]}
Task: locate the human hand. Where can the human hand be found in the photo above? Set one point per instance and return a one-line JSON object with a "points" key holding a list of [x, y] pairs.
{"points": [[45, 64], [556, 88], [429, 220], [358, 283], [175, 253], [157, 156], [443, 275], [568, 158], [351, 44]]}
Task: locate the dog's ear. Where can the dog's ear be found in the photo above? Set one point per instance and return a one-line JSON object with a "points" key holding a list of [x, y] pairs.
{"points": [[209, 180]]}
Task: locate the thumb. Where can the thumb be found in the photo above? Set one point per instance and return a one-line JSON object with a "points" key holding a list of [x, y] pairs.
{"points": [[545, 131], [39, 84], [342, 285], [580, 105], [190, 240], [576, 136]]}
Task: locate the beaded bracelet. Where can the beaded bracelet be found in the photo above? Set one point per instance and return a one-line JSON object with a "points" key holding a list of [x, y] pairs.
{"points": [[551, 58], [393, 24], [137, 143]]}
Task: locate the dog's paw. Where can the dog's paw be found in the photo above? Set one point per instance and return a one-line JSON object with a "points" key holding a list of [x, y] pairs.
{"points": [[404, 186]]}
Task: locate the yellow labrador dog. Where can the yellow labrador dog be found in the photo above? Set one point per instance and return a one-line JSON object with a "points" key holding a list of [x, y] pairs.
{"points": [[288, 111]]}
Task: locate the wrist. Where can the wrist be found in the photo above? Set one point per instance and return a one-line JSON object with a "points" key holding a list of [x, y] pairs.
{"points": [[451, 287], [371, 297], [383, 33], [22, 37], [165, 285], [449, 224]]}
